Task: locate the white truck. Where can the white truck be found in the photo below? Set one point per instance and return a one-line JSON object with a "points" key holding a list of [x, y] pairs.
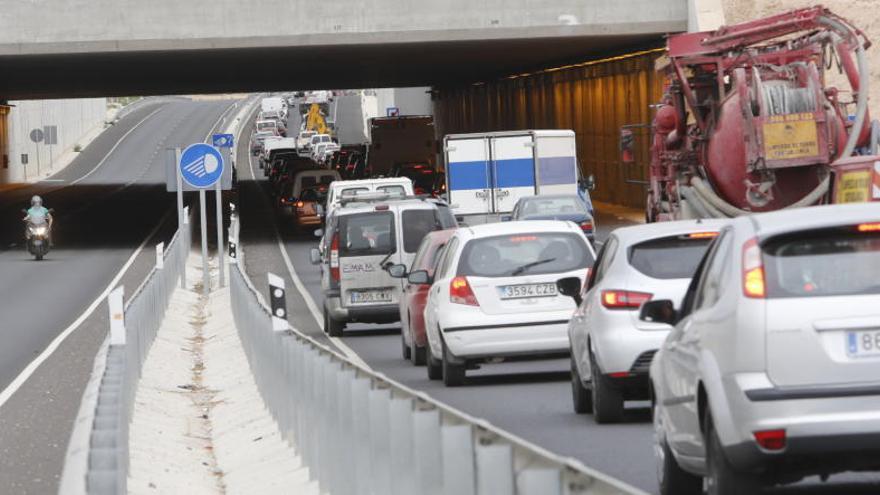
{"points": [[487, 173], [274, 104]]}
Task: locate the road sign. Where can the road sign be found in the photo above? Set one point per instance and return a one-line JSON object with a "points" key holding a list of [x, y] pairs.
{"points": [[223, 140], [392, 111], [37, 135], [50, 133], [201, 165]]}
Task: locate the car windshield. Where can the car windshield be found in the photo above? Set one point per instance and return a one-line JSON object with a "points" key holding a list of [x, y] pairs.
{"points": [[538, 206], [669, 257], [367, 234], [823, 263], [524, 254]]}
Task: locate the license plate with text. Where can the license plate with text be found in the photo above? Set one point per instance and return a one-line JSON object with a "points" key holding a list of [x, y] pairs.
{"points": [[863, 343], [527, 290]]}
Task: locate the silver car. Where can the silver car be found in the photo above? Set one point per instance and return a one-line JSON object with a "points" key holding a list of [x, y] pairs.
{"points": [[611, 347], [772, 370]]}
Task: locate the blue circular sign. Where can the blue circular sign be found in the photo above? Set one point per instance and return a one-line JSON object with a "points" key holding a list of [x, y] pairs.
{"points": [[201, 165]]}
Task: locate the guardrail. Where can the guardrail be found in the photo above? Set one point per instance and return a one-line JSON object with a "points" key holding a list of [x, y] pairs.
{"points": [[97, 457], [360, 432]]}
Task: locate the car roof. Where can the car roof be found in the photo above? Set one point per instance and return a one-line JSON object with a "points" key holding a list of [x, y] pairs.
{"points": [[517, 227], [365, 182], [812, 217], [643, 232]]}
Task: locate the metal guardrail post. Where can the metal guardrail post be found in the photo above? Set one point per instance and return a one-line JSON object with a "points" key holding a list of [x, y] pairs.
{"points": [[494, 469], [427, 452], [400, 441], [458, 459], [380, 445]]}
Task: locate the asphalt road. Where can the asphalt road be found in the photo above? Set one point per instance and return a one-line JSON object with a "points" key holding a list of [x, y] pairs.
{"points": [[107, 203], [530, 399]]}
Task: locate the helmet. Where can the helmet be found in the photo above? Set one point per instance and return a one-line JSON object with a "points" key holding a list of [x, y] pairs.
{"points": [[36, 201]]}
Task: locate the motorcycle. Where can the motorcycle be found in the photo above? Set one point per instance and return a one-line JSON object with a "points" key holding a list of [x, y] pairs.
{"points": [[37, 233]]}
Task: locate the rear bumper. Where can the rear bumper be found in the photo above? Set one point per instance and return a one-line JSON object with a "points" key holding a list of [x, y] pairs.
{"points": [[808, 455], [378, 313], [508, 340]]}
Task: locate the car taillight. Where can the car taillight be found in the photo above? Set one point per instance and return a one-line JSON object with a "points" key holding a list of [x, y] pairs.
{"points": [[753, 270], [460, 292], [869, 227], [624, 299], [300, 204], [334, 258], [771, 439], [587, 226]]}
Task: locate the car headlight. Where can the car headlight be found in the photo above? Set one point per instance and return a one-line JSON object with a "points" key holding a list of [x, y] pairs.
{"points": [[39, 230]]}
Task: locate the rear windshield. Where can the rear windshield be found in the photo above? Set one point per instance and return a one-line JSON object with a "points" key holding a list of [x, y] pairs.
{"points": [[398, 190], [524, 254], [366, 234], [536, 207], [669, 257], [418, 223], [825, 263]]}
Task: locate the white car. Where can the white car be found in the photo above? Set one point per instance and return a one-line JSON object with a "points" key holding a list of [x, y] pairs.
{"points": [[494, 294], [772, 370], [611, 349]]}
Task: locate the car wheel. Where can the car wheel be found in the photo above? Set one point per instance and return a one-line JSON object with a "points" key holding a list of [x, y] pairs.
{"points": [[721, 477], [435, 367], [418, 355], [333, 327], [672, 478], [453, 374], [581, 396], [406, 350], [607, 400]]}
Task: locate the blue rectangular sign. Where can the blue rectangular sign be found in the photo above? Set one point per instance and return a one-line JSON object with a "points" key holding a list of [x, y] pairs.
{"points": [[222, 140]]}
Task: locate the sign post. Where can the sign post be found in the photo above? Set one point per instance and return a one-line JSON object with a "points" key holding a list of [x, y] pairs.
{"points": [[174, 154], [201, 166], [221, 141]]}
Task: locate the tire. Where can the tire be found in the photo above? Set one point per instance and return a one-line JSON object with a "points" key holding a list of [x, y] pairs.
{"points": [[607, 400], [435, 367], [581, 396], [419, 355], [406, 350], [673, 480], [453, 374], [333, 327], [39, 257], [721, 477]]}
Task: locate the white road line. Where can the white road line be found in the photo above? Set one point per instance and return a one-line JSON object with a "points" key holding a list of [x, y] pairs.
{"points": [[90, 172], [310, 303], [32, 367]]}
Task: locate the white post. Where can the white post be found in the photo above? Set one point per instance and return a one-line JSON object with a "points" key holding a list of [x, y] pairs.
{"points": [[221, 253], [182, 215], [117, 316], [160, 256], [206, 275]]}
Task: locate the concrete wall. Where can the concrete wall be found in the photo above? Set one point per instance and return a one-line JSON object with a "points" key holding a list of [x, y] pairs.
{"points": [[74, 119]]}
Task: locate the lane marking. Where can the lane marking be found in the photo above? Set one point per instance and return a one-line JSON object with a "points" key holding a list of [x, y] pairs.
{"points": [[101, 163], [310, 303], [53, 346]]}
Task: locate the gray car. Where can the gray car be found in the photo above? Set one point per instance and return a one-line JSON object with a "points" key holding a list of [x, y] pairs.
{"points": [[772, 370]]}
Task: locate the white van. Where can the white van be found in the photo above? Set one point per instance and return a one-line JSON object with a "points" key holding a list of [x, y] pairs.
{"points": [[363, 239], [400, 186]]}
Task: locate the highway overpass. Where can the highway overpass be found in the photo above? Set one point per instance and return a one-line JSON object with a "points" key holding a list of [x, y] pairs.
{"points": [[60, 48]]}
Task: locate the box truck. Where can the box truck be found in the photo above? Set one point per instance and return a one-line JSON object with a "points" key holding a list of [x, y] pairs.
{"points": [[487, 173]]}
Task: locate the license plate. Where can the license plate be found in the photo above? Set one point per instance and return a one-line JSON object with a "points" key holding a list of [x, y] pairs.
{"points": [[527, 290], [370, 296], [864, 343]]}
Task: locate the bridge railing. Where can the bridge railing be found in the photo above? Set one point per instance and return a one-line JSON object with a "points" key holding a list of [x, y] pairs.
{"points": [[360, 432], [97, 456]]}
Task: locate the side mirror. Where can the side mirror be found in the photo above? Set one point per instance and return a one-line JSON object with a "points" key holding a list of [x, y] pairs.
{"points": [[419, 277], [397, 271], [571, 287], [315, 256], [591, 182], [660, 311], [319, 233]]}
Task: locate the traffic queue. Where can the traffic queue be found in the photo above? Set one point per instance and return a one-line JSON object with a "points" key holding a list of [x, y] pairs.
{"points": [[755, 340]]}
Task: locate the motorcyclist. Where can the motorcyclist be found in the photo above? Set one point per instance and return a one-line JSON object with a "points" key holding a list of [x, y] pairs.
{"points": [[38, 213]]}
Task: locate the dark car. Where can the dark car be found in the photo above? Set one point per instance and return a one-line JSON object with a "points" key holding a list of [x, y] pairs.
{"points": [[568, 207]]}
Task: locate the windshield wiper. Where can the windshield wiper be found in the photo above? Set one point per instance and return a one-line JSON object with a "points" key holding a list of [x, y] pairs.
{"points": [[516, 271]]}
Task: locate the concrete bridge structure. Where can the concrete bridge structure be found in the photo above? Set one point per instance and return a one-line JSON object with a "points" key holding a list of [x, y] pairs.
{"points": [[54, 48]]}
